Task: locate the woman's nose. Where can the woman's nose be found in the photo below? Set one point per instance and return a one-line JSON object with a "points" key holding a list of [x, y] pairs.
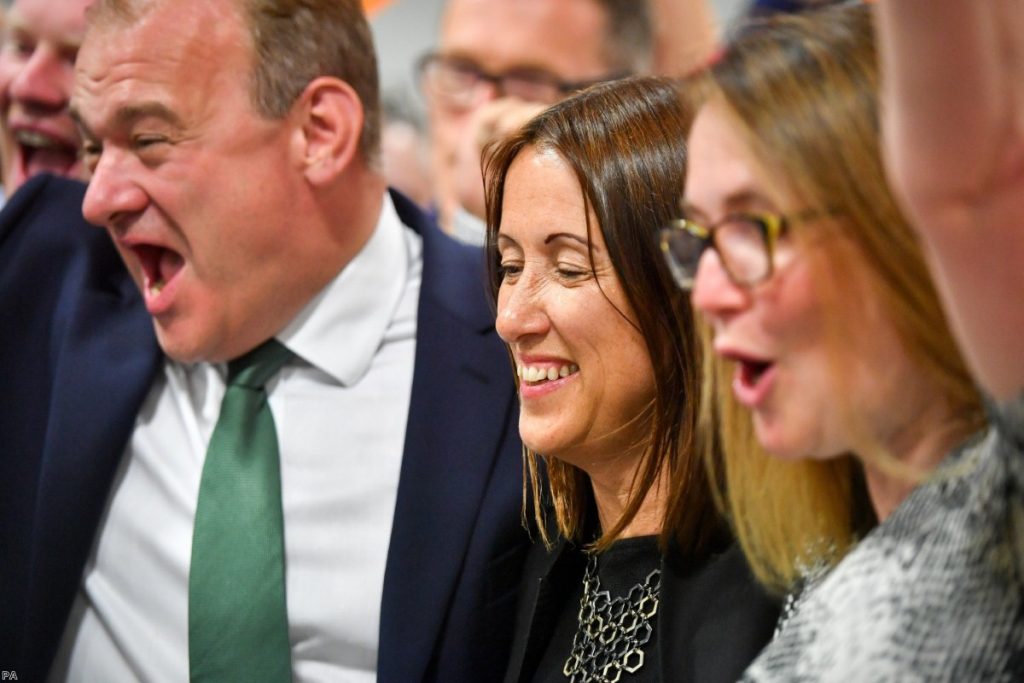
{"points": [[714, 293], [521, 310]]}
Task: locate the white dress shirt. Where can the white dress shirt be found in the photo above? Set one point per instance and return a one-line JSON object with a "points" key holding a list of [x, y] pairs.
{"points": [[340, 409]]}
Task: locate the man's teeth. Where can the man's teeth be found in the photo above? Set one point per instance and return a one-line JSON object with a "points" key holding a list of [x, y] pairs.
{"points": [[32, 138], [155, 287], [536, 374]]}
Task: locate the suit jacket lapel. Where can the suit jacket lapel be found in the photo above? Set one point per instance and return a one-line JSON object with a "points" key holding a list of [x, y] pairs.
{"points": [[456, 423], [548, 580], [103, 371]]}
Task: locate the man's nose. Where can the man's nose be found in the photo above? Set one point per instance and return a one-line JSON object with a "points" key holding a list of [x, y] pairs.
{"points": [[45, 79], [113, 194]]}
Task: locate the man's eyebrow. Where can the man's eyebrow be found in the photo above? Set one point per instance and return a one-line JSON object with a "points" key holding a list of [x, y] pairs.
{"points": [[15, 22], [128, 115], [15, 25]]}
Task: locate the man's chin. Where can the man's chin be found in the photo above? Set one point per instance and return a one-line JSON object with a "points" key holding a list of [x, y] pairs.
{"points": [[177, 346]]}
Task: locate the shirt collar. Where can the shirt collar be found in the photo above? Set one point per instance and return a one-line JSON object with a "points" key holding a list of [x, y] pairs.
{"points": [[340, 330]]}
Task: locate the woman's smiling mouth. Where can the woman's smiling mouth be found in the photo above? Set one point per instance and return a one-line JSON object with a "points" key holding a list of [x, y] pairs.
{"points": [[533, 374]]}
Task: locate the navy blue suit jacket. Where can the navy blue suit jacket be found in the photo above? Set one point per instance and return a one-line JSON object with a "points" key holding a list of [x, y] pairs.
{"points": [[78, 355]]}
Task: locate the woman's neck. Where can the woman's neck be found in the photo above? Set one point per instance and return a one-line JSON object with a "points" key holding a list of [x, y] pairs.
{"points": [[611, 497], [918, 447]]}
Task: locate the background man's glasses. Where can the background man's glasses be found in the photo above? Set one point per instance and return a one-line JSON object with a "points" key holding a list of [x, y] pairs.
{"points": [[456, 82], [745, 243]]}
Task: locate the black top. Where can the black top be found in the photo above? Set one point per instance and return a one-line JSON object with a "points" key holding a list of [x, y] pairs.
{"points": [[625, 564], [712, 618]]}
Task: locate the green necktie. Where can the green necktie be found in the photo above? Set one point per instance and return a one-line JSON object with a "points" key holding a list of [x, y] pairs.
{"points": [[237, 617]]}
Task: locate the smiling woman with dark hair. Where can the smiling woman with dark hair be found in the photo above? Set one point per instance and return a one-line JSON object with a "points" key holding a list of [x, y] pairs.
{"points": [[635, 578]]}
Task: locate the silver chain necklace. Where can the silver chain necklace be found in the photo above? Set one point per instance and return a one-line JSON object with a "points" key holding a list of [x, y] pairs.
{"points": [[612, 631]]}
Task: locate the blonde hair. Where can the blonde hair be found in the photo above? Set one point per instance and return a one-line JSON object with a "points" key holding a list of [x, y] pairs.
{"points": [[803, 90]]}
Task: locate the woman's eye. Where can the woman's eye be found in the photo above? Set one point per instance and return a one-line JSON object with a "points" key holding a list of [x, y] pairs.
{"points": [[507, 270], [572, 272]]}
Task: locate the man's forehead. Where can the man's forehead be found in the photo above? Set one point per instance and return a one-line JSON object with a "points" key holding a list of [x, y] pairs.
{"points": [[161, 38], [160, 62], [564, 36], [63, 21]]}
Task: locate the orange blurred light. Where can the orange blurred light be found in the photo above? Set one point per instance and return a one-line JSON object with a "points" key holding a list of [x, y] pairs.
{"points": [[373, 6]]}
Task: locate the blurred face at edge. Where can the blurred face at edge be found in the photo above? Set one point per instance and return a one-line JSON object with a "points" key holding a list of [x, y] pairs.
{"points": [[561, 38], [804, 353], [37, 60]]}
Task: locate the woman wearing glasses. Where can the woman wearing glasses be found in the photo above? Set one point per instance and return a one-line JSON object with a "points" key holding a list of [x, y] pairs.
{"points": [[632, 578], [835, 358]]}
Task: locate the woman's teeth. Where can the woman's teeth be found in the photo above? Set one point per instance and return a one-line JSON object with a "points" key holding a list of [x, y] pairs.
{"points": [[535, 374]]}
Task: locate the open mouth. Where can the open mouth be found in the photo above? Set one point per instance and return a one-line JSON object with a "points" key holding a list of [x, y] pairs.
{"points": [[534, 375], [753, 378], [751, 371], [159, 266], [42, 153]]}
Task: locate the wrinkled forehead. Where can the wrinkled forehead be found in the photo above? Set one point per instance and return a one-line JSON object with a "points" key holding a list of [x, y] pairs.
{"points": [[187, 49]]}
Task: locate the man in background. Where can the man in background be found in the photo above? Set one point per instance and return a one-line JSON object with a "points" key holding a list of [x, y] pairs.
{"points": [[37, 58], [499, 62]]}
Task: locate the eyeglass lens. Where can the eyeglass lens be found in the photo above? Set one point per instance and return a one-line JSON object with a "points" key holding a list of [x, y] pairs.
{"points": [[741, 244], [739, 241], [457, 82]]}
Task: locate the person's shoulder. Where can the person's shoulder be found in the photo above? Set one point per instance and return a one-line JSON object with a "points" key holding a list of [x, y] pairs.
{"points": [[44, 216], [453, 272], [1008, 418], [717, 614], [937, 576], [45, 195], [724, 581], [436, 243]]}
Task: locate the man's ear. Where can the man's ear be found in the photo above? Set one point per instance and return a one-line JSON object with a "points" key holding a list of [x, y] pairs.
{"points": [[329, 128]]}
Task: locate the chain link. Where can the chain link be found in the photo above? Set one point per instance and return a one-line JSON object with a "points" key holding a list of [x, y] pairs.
{"points": [[612, 631]]}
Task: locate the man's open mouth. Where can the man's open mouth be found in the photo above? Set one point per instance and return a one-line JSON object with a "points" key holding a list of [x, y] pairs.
{"points": [[159, 266], [42, 153]]}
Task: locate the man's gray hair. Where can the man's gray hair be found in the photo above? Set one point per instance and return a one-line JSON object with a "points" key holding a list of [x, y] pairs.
{"points": [[294, 42]]}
